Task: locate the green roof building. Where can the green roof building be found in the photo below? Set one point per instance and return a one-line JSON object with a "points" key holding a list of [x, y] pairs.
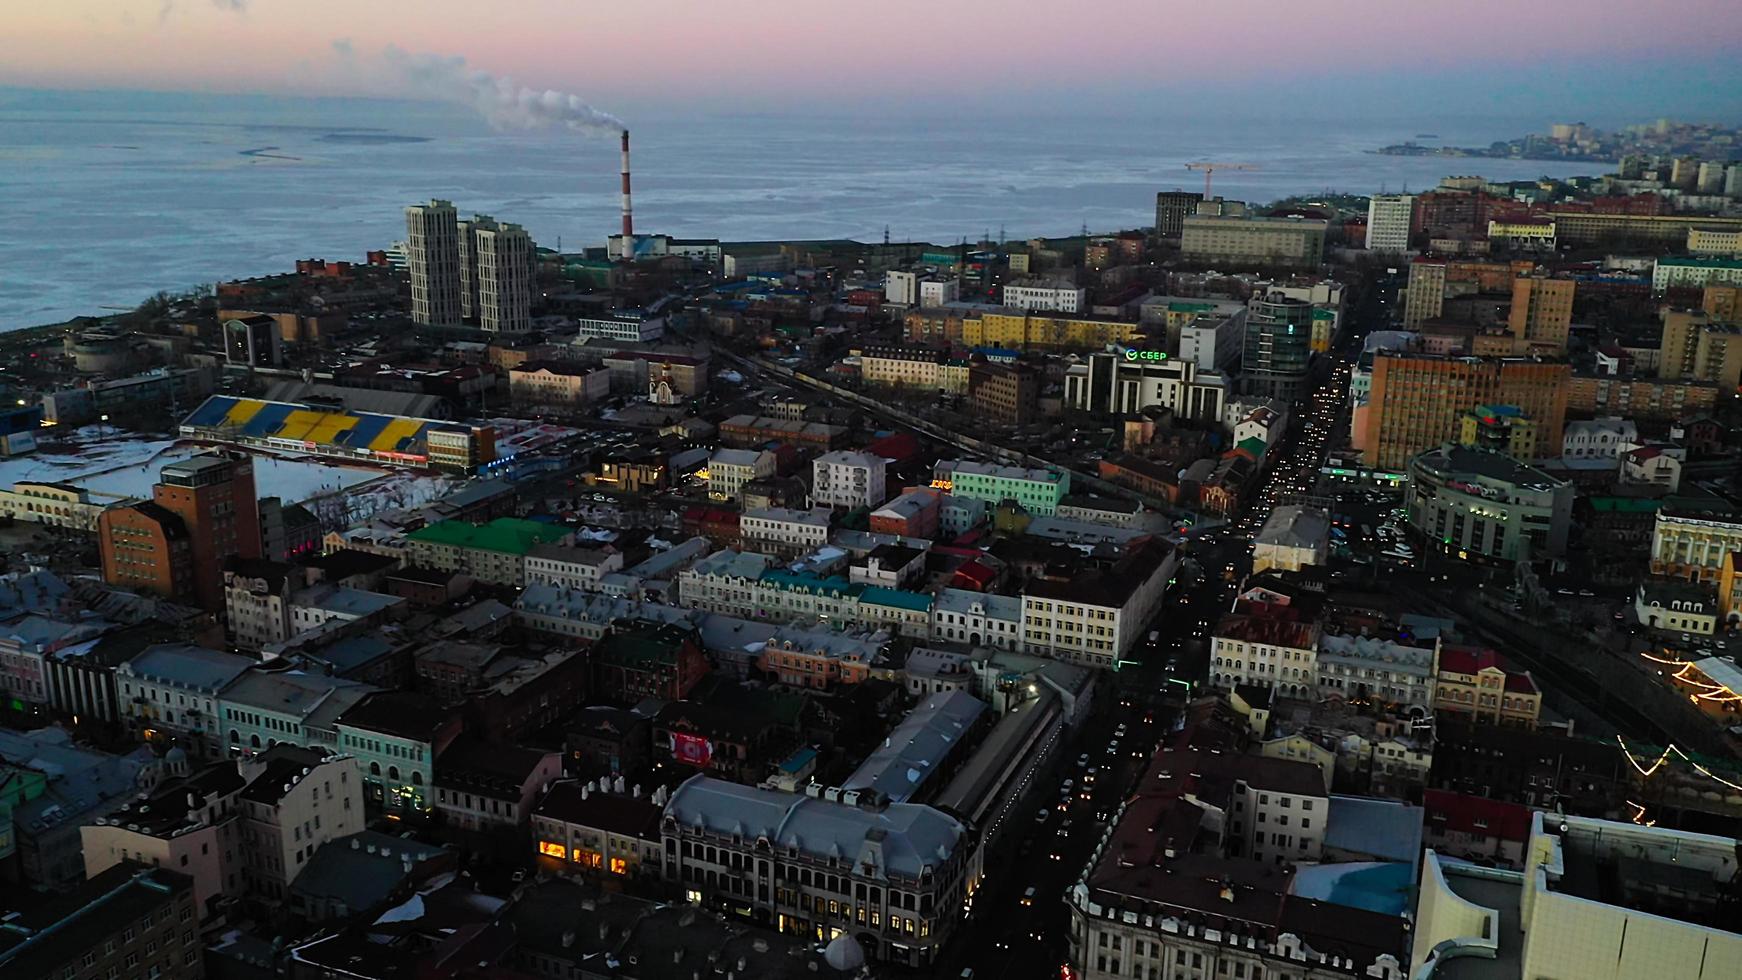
{"points": [[494, 552]]}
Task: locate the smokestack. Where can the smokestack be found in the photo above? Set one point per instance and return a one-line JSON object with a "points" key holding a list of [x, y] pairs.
{"points": [[628, 215]]}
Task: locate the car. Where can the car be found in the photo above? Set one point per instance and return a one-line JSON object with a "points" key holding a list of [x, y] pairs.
{"points": [[1042, 815], [1028, 896], [1082, 760], [1120, 731], [1067, 784]]}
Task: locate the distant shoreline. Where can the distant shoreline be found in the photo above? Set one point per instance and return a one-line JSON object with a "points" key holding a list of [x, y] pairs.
{"points": [[1477, 153]]}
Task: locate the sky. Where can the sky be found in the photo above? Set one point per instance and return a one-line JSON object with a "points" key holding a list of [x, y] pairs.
{"points": [[1603, 61]]}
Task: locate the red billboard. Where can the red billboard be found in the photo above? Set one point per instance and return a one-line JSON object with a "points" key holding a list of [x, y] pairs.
{"points": [[692, 749]]}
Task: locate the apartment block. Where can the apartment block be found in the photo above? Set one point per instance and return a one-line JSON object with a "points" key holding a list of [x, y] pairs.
{"points": [[1416, 401]]}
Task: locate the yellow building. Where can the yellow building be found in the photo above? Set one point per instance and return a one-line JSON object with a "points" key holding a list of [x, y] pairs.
{"points": [[1502, 428], [1039, 331], [1730, 588], [1523, 234], [1700, 347], [1472, 684], [914, 367], [1726, 242], [1693, 544], [1723, 302]]}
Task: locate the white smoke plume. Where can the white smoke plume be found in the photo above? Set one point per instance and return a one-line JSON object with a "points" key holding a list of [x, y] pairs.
{"points": [[501, 102]]}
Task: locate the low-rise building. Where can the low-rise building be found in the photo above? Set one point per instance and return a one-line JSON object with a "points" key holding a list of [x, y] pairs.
{"points": [[1293, 537], [570, 567], [495, 552], [129, 920], [1677, 607], [1691, 543], [730, 469], [393, 739], [557, 384], [812, 866], [784, 530], [587, 829], [1038, 491], [170, 691], [1472, 683], [52, 504], [482, 787]]}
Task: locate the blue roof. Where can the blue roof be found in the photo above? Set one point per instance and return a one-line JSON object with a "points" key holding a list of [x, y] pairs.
{"points": [[268, 420], [806, 582], [1377, 887], [212, 412]]}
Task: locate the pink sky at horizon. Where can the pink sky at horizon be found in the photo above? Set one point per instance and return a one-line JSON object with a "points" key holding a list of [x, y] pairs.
{"points": [[768, 49]]}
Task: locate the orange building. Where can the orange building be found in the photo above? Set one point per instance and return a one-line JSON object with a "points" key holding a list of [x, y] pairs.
{"points": [[1542, 313], [203, 511], [145, 548], [1417, 400]]}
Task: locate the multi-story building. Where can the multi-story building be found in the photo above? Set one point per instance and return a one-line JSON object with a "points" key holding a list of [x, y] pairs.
{"points": [[257, 601], [495, 552], [1415, 401], [1213, 341], [1041, 295], [1476, 503], [1501, 428], [1031, 330], [1640, 398], [895, 875], [262, 708], [1266, 644], [204, 510], [1093, 616], [1424, 294], [131, 920], [1719, 242], [504, 263], [1195, 879], [1248, 240], [1277, 347], [1542, 312], [1472, 683], [926, 368], [903, 288], [730, 469], [432, 247], [52, 504], [557, 384], [1129, 382], [1038, 491], [1522, 235], [296, 800], [1580, 228], [393, 739], [481, 787], [1171, 209], [598, 834], [169, 693], [848, 480], [570, 567], [1367, 657], [1007, 394], [784, 530], [1689, 543], [629, 325], [186, 823], [1672, 272], [1390, 219], [723, 582], [1590, 902], [1698, 347]]}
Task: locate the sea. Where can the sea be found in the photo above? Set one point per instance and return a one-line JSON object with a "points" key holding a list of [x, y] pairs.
{"points": [[108, 197]]}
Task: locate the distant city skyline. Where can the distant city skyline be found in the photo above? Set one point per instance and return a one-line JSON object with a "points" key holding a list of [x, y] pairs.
{"points": [[1359, 57]]}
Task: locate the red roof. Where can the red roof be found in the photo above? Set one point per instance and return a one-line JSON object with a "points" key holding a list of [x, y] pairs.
{"points": [[973, 575], [1467, 660], [1521, 683], [1458, 813], [897, 446]]}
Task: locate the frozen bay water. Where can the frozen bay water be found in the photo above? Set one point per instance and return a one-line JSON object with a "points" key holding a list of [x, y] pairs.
{"points": [[110, 197]]}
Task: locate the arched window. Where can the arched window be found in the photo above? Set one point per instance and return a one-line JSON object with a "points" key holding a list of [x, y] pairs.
{"points": [[235, 739], [416, 778], [374, 768], [254, 741], [393, 773]]}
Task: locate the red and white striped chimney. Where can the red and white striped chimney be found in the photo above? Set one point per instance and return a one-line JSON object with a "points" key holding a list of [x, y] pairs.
{"points": [[628, 215]]}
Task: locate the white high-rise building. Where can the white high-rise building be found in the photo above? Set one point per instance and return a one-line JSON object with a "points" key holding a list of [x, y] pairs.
{"points": [[849, 480], [433, 252], [1388, 222], [468, 239], [503, 275]]}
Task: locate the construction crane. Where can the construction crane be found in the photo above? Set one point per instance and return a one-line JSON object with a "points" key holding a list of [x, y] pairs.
{"points": [[1211, 168]]}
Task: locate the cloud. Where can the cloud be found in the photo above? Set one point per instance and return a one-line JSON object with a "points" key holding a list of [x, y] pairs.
{"points": [[502, 103]]}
